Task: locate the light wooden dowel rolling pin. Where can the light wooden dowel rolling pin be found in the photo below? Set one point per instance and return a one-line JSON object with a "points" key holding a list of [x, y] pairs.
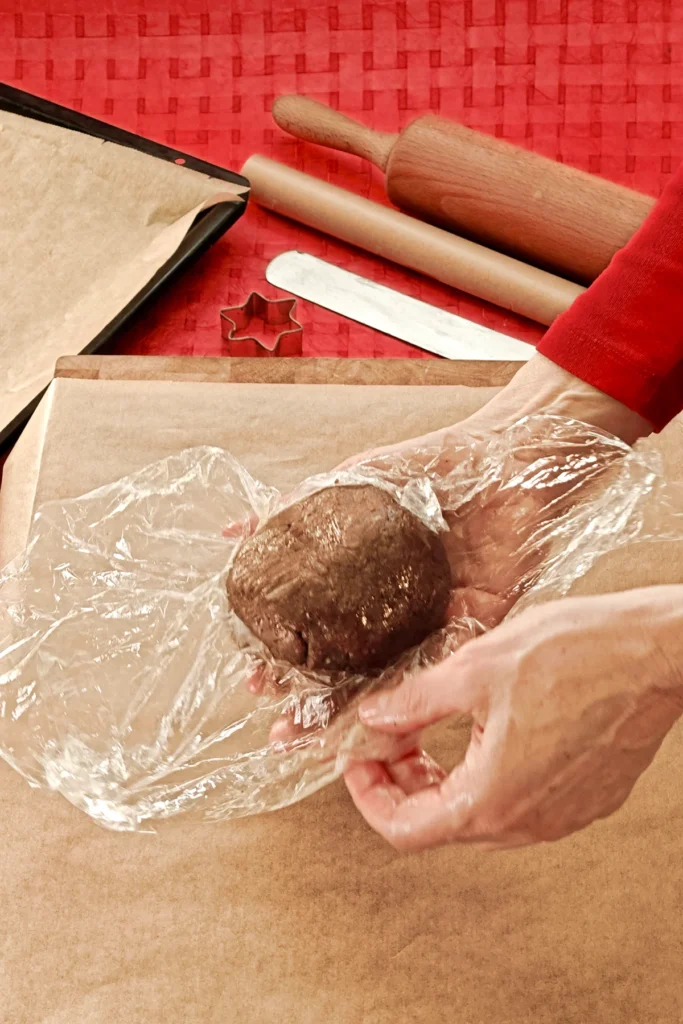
{"points": [[430, 250], [486, 189]]}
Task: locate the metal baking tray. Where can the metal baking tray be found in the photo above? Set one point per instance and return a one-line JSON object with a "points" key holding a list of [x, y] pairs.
{"points": [[207, 228]]}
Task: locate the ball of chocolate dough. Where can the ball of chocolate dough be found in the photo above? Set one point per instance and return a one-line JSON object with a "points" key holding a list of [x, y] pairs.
{"points": [[344, 580]]}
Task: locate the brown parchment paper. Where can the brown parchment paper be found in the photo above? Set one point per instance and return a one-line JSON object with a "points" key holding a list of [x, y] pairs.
{"points": [[84, 225], [305, 916]]}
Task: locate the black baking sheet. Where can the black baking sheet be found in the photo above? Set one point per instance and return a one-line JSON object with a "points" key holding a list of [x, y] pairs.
{"points": [[207, 228]]}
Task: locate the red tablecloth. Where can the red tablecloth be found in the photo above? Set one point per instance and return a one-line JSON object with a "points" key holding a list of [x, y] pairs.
{"points": [[596, 83]]}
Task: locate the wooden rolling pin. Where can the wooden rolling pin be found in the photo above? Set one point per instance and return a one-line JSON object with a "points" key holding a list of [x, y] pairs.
{"points": [[533, 293], [547, 213]]}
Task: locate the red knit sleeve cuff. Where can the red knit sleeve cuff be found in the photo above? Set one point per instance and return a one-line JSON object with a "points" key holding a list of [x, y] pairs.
{"points": [[668, 401], [625, 334], [624, 379]]}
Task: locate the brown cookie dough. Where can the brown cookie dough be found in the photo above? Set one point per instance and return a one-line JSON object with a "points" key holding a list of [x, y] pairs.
{"points": [[345, 580]]}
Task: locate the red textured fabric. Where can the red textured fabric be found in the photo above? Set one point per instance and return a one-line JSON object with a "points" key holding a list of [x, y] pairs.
{"points": [[596, 83], [625, 334], [669, 400]]}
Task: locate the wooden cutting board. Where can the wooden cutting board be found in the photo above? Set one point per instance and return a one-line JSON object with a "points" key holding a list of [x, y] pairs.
{"points": [[471, 373]]}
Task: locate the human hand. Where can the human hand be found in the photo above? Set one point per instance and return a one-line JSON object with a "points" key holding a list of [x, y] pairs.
{"points": [[506, 506], [492, 500], [488, 544], [570, 703]]}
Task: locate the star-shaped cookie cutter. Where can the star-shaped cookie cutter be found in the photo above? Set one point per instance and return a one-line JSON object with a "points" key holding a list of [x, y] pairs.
{"points": [[277, 312]]}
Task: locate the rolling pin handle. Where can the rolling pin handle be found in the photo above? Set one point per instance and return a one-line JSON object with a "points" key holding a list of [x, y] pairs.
{"points": [[314, 122]]}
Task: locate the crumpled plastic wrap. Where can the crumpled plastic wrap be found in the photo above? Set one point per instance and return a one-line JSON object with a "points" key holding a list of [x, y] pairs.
{"points": [[127, 683]]}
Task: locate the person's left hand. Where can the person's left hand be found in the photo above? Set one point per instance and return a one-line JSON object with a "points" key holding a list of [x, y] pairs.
{"points": [[570, 703]]}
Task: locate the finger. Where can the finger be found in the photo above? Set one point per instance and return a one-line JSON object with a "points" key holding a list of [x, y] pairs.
{"points": [[289, 729], [256, 681], [409, 822], [474, 603], [286, 729], [262, 677], [305, 715], [425, 698], [241, 528], [416, 770]]}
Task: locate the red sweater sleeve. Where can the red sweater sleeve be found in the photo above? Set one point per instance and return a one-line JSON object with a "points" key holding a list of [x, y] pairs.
{"points": [[624, 335]]}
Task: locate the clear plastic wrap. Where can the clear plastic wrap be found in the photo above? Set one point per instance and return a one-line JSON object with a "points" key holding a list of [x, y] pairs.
{"points": [[127, 682]]}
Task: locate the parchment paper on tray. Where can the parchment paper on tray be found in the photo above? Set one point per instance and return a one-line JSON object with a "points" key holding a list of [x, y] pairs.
{"points": [[84, 225]]}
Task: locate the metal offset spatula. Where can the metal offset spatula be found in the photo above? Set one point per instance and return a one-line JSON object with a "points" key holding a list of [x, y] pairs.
{"points": [[394, 313]]}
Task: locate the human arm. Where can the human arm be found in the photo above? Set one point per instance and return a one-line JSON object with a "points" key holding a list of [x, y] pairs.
{"points": [[570, 701], [614, 359], [624, 335]]}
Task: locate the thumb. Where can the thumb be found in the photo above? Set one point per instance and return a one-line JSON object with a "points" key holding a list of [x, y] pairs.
{"points": [[421, 700]]}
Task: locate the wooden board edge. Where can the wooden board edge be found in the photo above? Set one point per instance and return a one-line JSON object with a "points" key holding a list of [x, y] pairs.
{"points": [[468, 373]]}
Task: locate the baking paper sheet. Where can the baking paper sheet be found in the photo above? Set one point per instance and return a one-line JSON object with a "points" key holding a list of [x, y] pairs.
{"points": [[84, 225], [305, 916]]}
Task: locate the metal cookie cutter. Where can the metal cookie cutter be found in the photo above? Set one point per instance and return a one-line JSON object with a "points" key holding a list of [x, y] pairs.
{"points": [[275, 312]]}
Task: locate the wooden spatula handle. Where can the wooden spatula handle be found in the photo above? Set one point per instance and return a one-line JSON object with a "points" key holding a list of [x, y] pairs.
{"points": [[314, 122]]}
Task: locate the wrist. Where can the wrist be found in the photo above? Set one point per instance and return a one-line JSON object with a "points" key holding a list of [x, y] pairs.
{"points": [[541, 386], [657, 612]]}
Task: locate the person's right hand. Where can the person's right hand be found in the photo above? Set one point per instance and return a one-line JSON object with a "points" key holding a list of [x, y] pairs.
{"points": [[570, 702]]}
